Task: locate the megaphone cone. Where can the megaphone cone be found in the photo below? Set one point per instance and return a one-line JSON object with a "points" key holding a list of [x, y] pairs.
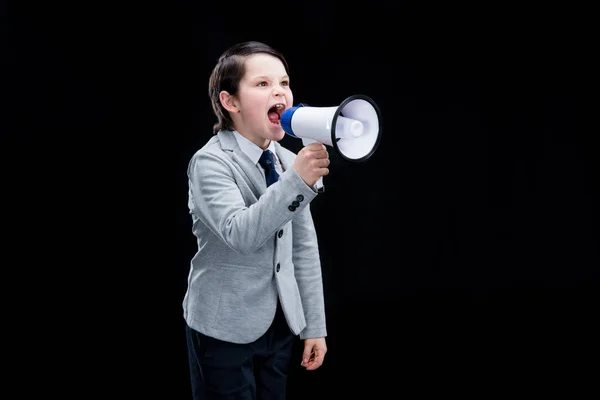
{"points": [[353, 128]]}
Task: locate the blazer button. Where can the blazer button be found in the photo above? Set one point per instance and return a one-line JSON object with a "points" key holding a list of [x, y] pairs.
{"points": [[277, 267], [300, 197], [280, 234], [295, 203], [291, 208]]}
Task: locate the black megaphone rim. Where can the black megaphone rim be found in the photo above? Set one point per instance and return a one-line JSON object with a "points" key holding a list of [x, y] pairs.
{"points": [[334, 122]]}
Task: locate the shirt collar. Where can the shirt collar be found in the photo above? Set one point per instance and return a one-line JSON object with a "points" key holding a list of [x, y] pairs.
{"points": [[251, 150]]}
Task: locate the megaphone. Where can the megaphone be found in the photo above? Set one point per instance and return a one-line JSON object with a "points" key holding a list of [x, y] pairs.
{"points": [[352, 128]]}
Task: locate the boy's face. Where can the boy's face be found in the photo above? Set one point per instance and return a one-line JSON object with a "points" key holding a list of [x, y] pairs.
{"points": [[264, 93]]}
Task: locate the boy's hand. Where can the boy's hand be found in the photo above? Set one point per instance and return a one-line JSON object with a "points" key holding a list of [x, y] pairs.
{"points": [[312, 162], [314, 353]]}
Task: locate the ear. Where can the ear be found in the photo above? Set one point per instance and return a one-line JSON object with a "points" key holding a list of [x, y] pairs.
{"points": [[229, 102]]}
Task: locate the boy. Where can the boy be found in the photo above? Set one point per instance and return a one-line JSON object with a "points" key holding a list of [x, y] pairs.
{"points": [[255, 282]]}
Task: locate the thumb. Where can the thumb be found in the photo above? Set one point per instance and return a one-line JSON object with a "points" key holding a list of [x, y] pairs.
{"points": [[307, 353]]}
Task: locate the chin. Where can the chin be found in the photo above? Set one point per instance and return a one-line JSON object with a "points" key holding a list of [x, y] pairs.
{"points": [[276, 132]]}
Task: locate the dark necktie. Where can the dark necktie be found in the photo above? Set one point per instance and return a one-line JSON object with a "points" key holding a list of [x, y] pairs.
{"points": [[268, 163]]}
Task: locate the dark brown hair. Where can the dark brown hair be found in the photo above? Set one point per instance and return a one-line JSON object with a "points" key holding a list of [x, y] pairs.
{"points": [[228, 73]]}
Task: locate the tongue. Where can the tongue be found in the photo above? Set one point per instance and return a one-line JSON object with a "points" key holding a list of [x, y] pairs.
{"points": [[273, 117]]}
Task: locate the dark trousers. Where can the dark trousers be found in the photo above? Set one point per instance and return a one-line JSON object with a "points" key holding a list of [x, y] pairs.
{"points": [[228, 371]]}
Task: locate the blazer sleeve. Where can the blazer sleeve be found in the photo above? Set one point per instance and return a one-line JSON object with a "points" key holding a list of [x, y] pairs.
{"points": [[307, 269], [220, 197]]}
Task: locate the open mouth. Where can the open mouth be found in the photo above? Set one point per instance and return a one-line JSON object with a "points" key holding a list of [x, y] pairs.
{"points": [[275, 112]]}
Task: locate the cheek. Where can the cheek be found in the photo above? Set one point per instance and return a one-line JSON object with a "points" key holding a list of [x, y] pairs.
{"points": [[252, 108], [255, 113]]}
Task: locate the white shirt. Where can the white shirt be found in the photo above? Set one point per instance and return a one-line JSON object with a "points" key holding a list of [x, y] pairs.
{"points": [[254, 152]]}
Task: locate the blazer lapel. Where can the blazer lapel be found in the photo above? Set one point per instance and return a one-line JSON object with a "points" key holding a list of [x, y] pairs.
{"points": [[284, 159], [252, 173], [246, 167]]}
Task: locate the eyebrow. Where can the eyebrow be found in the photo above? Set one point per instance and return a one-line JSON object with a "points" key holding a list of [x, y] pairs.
{"points": [[268, 79]]}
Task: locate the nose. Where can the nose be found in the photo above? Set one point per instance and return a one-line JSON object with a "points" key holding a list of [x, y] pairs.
{"points": [[278, 90]]}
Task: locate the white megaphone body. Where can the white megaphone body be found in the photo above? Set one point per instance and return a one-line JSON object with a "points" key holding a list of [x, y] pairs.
{"points": [[353, 128]]}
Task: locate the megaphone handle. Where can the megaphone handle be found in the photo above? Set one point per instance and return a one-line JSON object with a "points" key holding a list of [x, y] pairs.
{"points": [[319, 184]]}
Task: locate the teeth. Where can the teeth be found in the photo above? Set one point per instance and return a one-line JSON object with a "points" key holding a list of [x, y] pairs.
{"points": [[279, 106]]}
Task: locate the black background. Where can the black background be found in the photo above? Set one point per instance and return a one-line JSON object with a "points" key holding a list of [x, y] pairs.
{"points": [[460, 259]]}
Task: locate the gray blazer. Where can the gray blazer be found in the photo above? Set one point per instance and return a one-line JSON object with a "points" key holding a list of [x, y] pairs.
{"points": [[254, 245]]}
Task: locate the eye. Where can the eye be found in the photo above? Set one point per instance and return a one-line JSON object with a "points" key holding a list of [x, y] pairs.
{"points": [[285, 83], [263, 83]]}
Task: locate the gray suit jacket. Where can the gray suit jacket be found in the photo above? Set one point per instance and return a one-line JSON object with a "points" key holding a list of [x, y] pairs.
{"points": [[254, 245]]}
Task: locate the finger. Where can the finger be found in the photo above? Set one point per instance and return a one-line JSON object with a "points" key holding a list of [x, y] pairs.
{"points": [[322, 154], [322, 164], [321, 161], [318, 154], [315, 146], [307, 355], [315, 362]]}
